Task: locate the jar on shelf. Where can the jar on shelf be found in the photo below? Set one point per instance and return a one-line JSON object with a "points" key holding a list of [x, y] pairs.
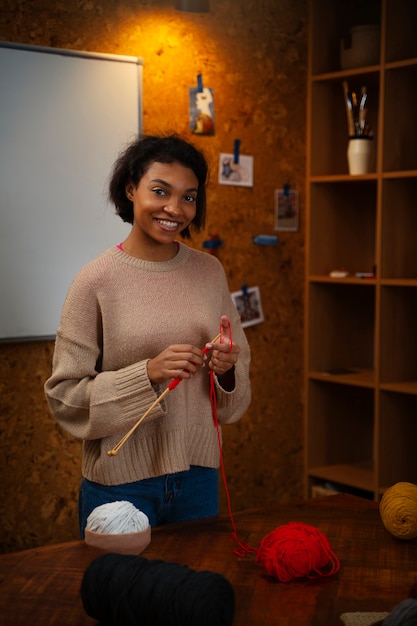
{"points": [[361, 47]]}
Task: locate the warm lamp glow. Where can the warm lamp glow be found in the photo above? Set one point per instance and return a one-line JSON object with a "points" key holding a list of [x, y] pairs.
{"points": [[196, 6]]}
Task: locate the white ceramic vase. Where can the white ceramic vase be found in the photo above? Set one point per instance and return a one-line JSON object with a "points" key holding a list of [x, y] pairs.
{"points": [[360, 155]]}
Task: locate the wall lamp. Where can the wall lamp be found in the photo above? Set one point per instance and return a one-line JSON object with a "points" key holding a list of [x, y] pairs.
{"points": [[195, 6]]}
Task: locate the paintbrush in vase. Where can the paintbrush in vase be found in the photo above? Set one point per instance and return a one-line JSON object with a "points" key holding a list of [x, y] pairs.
{"points": [[356, 111], [349, 109]]}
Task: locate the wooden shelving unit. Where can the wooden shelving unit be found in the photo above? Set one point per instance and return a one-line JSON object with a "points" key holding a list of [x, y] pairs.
{"points": [[361, 334]]}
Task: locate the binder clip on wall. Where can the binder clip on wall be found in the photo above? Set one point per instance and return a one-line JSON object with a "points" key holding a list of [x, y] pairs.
{"points": [[213, 244]]}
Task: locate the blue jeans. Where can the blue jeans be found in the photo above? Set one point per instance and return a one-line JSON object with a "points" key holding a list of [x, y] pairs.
{"points": [[166, 499]]}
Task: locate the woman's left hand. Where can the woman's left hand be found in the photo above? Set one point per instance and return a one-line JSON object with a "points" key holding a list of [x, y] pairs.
{"points": [[224, 353]]}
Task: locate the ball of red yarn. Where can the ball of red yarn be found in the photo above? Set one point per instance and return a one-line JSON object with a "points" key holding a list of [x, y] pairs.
{"points": [[297, 550]]}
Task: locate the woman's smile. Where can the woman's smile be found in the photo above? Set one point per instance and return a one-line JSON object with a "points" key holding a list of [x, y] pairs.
{"points": [[168, 224]]}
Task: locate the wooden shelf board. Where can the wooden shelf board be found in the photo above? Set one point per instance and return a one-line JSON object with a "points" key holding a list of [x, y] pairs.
{"points": [[359, 378], [338, 74], [341, 178], [355, 280], [393, 65], [346, 280], [409, 386], [400, 174], [357, 475], [399, 282]]}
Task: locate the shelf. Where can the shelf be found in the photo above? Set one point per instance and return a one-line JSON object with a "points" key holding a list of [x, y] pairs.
{"points": [[341, 326], [398, 434], [399, 229], [328, 148], [371, 71], [330, 23], [349, 213], [354, 280], [400, 103], [347, 280], [340, 423], [394, 65], [408, 387], [401, 41], [361, 332], [364, 378], [358, 475], [400, 174], [398, 334], [399, 282], [342, 178]]}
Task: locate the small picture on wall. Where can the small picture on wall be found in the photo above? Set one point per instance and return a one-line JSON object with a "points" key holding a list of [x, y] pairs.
{"points": [[286, 209], [249, 306], [202, 111], [240, 173]]}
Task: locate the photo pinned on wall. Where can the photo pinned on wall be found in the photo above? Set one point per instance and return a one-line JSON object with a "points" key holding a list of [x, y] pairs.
{"points": [[202, 110], [286, 209], [232, 173], [249, 306]]}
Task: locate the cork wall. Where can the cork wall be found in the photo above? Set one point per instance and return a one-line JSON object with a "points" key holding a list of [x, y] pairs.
{"points": [[253, 55]]}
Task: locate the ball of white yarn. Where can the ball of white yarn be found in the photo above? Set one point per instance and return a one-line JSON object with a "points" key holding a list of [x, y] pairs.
{"points": [[117, 518]]}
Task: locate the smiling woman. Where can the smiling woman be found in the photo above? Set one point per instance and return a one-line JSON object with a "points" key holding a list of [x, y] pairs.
{"points": [[138, 316], [164, 204]]}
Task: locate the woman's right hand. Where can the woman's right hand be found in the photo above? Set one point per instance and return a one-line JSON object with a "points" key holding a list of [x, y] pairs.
{"points": [[176, 361]]}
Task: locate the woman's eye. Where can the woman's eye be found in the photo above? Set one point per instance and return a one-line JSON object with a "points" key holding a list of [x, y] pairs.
{"points": [[190, 198], [159, 192]]}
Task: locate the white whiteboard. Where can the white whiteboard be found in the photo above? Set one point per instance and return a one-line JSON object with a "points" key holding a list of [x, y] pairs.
{"points": [[64, 117]]}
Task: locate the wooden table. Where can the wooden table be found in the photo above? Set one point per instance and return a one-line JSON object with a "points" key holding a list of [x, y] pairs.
{"points": [[41, 586]]}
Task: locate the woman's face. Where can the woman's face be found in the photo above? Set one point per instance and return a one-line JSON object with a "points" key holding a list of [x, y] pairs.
{"points": [[164, 202]]}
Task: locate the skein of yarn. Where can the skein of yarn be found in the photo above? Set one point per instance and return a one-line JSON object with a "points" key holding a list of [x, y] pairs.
{"points": [[398, 510], [297, 550], [118, 527], [133, 591], [117, 518]]}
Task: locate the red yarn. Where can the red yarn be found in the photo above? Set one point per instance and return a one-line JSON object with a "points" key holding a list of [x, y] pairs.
{"points": [[297, 550], [244, 548], [293, 551]]}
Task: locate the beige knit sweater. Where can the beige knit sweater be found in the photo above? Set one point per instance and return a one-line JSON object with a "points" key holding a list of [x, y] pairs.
{"points": [[120, 312]]}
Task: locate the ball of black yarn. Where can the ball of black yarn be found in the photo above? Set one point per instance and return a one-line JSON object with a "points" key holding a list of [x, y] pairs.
{"points": [[126, 590]]}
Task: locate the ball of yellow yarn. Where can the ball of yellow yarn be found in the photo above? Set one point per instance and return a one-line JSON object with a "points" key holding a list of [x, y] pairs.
{"points": [[398, 510]]}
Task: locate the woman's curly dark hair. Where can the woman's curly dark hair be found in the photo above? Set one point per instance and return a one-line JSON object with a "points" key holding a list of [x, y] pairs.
{"points": [[135, 160]]}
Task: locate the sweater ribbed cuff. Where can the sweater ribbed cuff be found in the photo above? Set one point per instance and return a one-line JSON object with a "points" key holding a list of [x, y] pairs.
{"points": [[136, 392]]}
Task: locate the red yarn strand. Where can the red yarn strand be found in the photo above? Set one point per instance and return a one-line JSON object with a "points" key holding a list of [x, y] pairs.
{"points": [[244, 548], [289, 552]]}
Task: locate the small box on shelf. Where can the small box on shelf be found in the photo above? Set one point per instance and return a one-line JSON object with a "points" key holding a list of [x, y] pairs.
{"points": [[318, 491]]}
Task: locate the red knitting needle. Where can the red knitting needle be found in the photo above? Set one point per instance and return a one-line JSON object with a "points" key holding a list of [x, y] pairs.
{"points": [[171, 386]]}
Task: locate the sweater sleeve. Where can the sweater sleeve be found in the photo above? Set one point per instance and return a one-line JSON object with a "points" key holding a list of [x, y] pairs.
{"points": [[91, 405], [87, 402]]}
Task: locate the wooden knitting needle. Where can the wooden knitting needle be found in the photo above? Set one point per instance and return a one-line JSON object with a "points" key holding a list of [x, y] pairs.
{"points": [[171, 386]]}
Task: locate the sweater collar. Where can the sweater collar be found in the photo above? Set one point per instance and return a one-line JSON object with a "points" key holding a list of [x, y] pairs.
{"points": [[152, 266]]}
